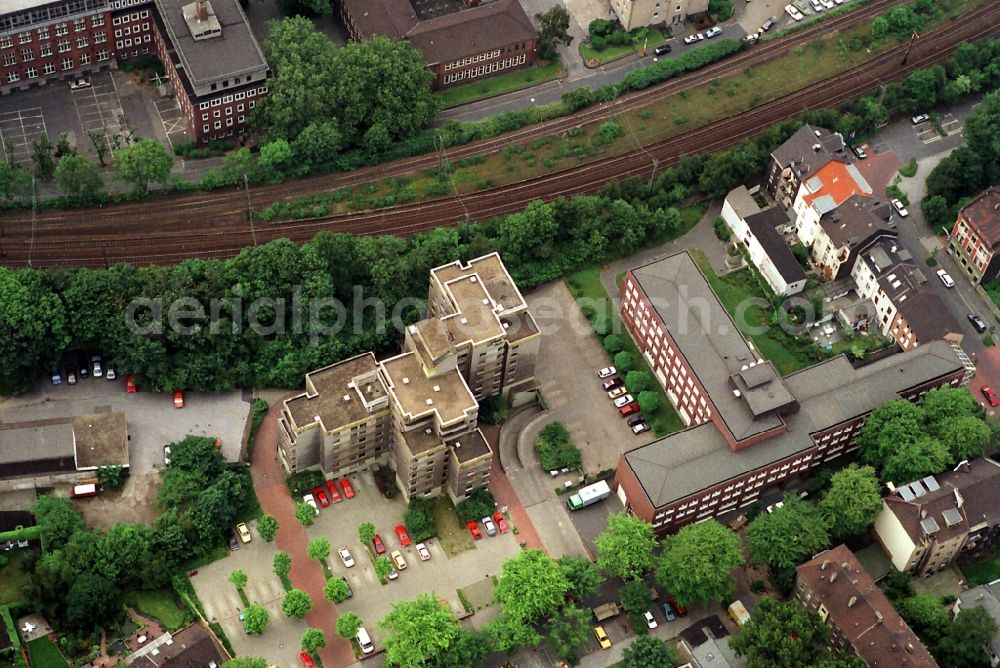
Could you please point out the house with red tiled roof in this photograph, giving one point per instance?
(975, 238)
(832, 185)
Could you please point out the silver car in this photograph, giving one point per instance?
(491, 528)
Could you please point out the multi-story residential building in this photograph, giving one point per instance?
(458, 47)
(854, 223)
(640, 13)
(833, 184)
(418, 411)
(985, 596)
(925, 524)
(748, 428)
(975, 238)
(862, 621)
(905, 309)
(801, 156)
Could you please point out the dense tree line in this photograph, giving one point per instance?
(79, 578)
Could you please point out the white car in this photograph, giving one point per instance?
(640, 427)
(714, 31)
(828, 4)
(79, 84)
(607, 372)
(345, 556)
(792, 11)
(423, 552)
(650, 622)
(692, 39)
(621, 401)
(920, 118)
(308, 498)
(816, 5)
(166, 455)
(900, 209)
(491, 528)
(95, 362)
(393, 574)
(945, 278)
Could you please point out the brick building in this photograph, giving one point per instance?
(975, 238)
(747, 427)
(862, 621)
(418, 411)
(459, 47)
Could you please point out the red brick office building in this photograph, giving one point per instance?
(748, 428)
(975, 237)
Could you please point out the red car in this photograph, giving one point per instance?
(130, 384)
(379, 545)
(178, 398)
(345, 485)
(334, 493)
(473, 529)
(628, 409)
(404, 540)
(991, 396)
(321, 497)
(680, 609)
(307, 660)
(501, 522)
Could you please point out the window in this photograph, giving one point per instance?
(218, 125)
(118, 33)
(102, 56)
(61, 29)
(85, 59)
(27, 55)
(205, 128)
(128, 42)
(116, 21)
(12, 77)
(48, 68)
(241, 119)
(43, 33)
(97, 21)
(203, 105)
(67, 63)
(204, 117)
(9, 59)
(227, 99)
(144, 14)
(6, 41)
(217, 113)
(229, 122)
(127, 31)
(79, 25)
(24, 37)
(239, 107)
(229, 111)
(241, 96)
(32, 73)
(145, 26)
(100, 38)
(64, 46)
(119, 44)
(146, 39)
(81, 42)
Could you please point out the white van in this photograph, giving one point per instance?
(365, 641)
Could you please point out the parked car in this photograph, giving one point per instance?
(769, 23)
(345, 485)
(178, 398)
(166, 455)
(345, 556)
(331, 486)
(680, 609)
(793, 11)
(130, 384)
(991, 396)
(473, 529)
(79, 84)
(244, 531)
(612, 383)
(977, 322)
(422, 550)
(774, 506)
(900, 209)
(622, 400)
(827, 4)
(350, 592)
(650, 622)
(694, 39)
(860, 152)
(617, 392)
(110, 371)
(71, 374)
(233, 543)
(920, 118)
(84, 369)
(752, 38)
(378, 544)
(308, 498)
(816, 6)
(636, 419)
(321, 496)
(662, 50)
(640, 427)
(307, 660)
(491, 529)
(393, 574)
(602, 638)
(714, 31)
(606, 372)
(628, 409)
(95, 363)
(56, 377)
(397, 558)
(501, 522)
(404, 540)
(668, 612)
(948, 281)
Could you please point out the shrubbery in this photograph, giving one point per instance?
(419, 520)
(479, 504)
(555, 449)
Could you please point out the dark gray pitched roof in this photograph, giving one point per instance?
(763, 226)
(800, 150)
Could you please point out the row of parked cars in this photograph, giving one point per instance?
(626, 404)
(324, 496)
(94, 366)
(492, 525)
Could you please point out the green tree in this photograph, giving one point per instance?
(296, 603)
(247, 662)
(649, 402)
(56, 520)
(916, 460)
(637, 381)
(383, 567)
(613, 344)
(144, 162)
(789, 535)
(318, 548)
(963, 642)
(782, 634)
(366, 532)
(636, 598)
(100, 141)
(626, 547)
(531, 585)
(891, 425)
(238, 579)
(419, 519)
(853, 501)
(937, 212)
(318, 143)
(35, 329)
(305, 513)
(282, 564)
(418, 630)
(91, 602)
(348, 625)
(623, 362)
(569, 630)
(267, 527)
(508, 634)
(335, 590)
(41, 155)
(78, 178)
(255, 619)
(553, 28)
(965, 437)
(313, 639)
(15, 181)
(879, 27)
(276, 156)
(945, 403)
(697, 561)
(583, 575)
(649, 652)
(925, 615)
(110, 477)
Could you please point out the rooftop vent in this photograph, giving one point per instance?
(437, 388)
(486, 302)
(464, 321)
(458, 444)
(850, 603)
(347, 397)
(736, 393)
(201, 20)
(817, 147)
(406, 381)
(473, 279)
(427, 431)
(316, 418)
(833, 576)
(430, 402)
(826, 562)
(413, 329)
(818, 133)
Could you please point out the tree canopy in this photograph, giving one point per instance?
(625, 548)
(418, 630)
(583, 575)
(649, 652)
(569, 630)
(697, 562)
(255, 619)
(296, 603)
(144, 162)
(853, 501)
(782, 634)
(531, 586)
(962, 644)
(790, 534)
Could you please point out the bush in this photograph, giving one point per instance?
(909, 169)
(624, 362)
(649, 402)
(601, 325)
(722, 9)
(721, 229)
(493, 409)
(480, 504)
(304, 482)
(419, 520)
(637, 381)
(555, 449)
(613, 343)
(598, 43)
(600, 28)
(619, 38)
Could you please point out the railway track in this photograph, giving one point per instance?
(122, 235)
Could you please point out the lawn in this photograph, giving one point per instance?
(587, 284)
(505, 83)
(982, 570)
(160, 604)
(45, 654)
(13, 578)
(615, 52)
(453, 536)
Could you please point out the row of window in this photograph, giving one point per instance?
(126, 31)
(236, 96)
(478, 58)
(126, 43)
(45, 50)
(50, 67)
(60, 29)
(489, 68)
(126, 18)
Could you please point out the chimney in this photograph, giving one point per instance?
(823, 566)
(833, 576)
(817, 147)
(201, 10)
(850, 603)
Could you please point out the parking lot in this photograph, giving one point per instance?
(99, 109)
(152, 419)
(19, 129)
(173, 121)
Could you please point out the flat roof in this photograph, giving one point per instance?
(520, 326)
(445, 395)
(101, 440)
(469, 446)
(324, 399)
(493, 275)
(420, 441)
(686, 462)
(36, 440)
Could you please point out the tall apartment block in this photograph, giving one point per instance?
(418, 411)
